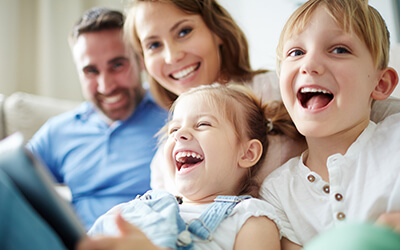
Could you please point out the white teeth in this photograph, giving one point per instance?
(112, 99)
(181, 155)
(184, 72)
(314, 90)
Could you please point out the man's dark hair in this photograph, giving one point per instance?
(97, 19)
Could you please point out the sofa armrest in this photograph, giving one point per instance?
(26, 113)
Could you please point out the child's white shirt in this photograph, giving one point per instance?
(363, 183)
(225, 235)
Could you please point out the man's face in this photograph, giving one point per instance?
(109, 73)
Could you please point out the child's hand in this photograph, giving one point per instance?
(391, 220)
(131, 238)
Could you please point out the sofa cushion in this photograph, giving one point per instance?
(28, 112)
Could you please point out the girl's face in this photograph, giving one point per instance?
(202, 151)
(180, 51)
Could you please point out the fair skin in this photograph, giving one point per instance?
(337, 65)
(109, 73)
(197, 128)
(324, 58)
(179, 50)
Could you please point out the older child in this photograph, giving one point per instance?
(333, 57)
(216, 141)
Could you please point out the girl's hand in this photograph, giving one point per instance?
(131, 238)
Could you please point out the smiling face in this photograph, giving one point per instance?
(202, 151)
(179, 50)
(108, 72)
(326, 78)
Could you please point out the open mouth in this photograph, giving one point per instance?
(314, 98)
(185, 72)
(187, 159)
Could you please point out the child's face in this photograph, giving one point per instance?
(179, 50)
(202, 151)
(326, 79)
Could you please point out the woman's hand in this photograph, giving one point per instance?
(131, 238)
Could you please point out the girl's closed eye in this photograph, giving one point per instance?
(204, 124)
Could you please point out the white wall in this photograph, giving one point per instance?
(35, 57)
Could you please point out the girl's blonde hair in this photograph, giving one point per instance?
(235, 62)
(251, 119)
(352, 16)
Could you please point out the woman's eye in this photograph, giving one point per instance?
(153, 46)
(184, 32)
(340, 50)
(295, 52)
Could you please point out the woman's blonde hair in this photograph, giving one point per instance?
(235, 62)
(250, 118)
(352, 16)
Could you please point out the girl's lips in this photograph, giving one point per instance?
(187, 159)
(185, 73)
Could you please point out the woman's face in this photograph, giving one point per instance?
(179, 50)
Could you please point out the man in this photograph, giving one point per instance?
(103, 149)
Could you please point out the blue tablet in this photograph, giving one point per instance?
(37, 185)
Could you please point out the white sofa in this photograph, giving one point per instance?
(26, 113)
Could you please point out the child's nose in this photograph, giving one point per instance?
(182, 135)
(312, 64)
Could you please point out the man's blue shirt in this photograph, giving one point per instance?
(102, 165)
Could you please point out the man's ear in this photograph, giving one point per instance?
(386, 84)
(252, 152)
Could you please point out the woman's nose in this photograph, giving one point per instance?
(173, 53)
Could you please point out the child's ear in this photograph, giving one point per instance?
(252, 152)
(386, 85)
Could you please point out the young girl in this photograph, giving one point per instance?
(333, 57)
(215, 144)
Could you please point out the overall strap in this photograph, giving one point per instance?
(215, 213)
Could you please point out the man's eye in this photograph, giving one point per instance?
(340, 50)
(117, 66)
(90, 71)
(296, 52)
(184, 32)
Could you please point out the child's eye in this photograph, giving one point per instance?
(295, 52)
(184, 32)
(340, 50)
(172, 130)
(203, 124)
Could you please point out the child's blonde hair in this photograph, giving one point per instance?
(235, 62)
(250, 118)
(352, 16)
